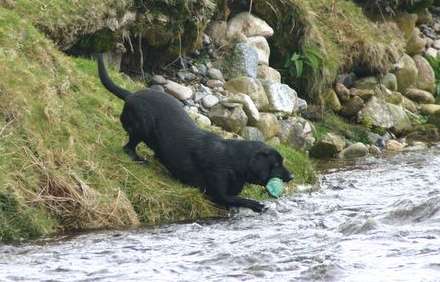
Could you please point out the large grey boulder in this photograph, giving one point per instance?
(416, 44)
(297, 132)
(343, 92)
(331, 100)
(251, 87)
(248, 106)
(409, 104)
(248, 25)
(210, 101)
(179, 91)
(262, 47)
(264, 72)
(159, 79)
(406, 22)
(420, 96)
(354, 151)
(328, 147)
(390, 81)
(301, 106)
(252, 134)
(199, 119)
(406, 73)
(242, 61)
(431, 52)
(364, 94)
(429, 109)
(232, 118)
(281, 97)
(352, 107)
(385, 115)
(215, 74)
(426, 76)
(268, 125)
(369, 82)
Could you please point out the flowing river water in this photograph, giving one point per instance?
(376, 220)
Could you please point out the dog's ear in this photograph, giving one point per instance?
(260, 166)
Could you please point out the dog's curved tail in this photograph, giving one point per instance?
(108, 83)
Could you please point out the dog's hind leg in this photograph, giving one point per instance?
(217, 189)
(130, 149)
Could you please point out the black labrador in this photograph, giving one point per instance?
(217, 166)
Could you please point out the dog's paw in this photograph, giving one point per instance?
(260, 208)
(143, 162)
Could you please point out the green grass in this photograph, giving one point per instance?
(64, 21)
(334, 123)
(62, 165)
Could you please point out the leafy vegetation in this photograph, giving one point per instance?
(310, 61)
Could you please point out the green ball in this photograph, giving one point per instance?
(275, 187)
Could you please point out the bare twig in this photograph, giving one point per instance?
(179, 58)
(141, 53)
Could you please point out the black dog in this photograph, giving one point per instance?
(217, 166)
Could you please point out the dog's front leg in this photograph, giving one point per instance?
(130, 149)
(217, 189)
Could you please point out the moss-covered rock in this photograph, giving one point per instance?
(251, 87)
(331, 100)
(406, 73)
(416, 44)
(327, 147)
(385, 115)
(426, 76)
(366, 83)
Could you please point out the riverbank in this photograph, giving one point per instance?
(62, 165)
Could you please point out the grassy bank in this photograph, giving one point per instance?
(62, 166)
(329, 37)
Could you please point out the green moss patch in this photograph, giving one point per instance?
(334, 123)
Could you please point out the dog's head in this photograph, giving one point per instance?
(265, 164)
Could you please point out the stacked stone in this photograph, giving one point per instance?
(429, 25)
(240, 92)
(254, 93)
(392, 100)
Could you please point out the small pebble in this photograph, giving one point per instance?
(159, 79)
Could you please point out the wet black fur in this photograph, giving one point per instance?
(217, 166)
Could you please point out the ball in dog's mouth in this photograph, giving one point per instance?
(275, 187)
